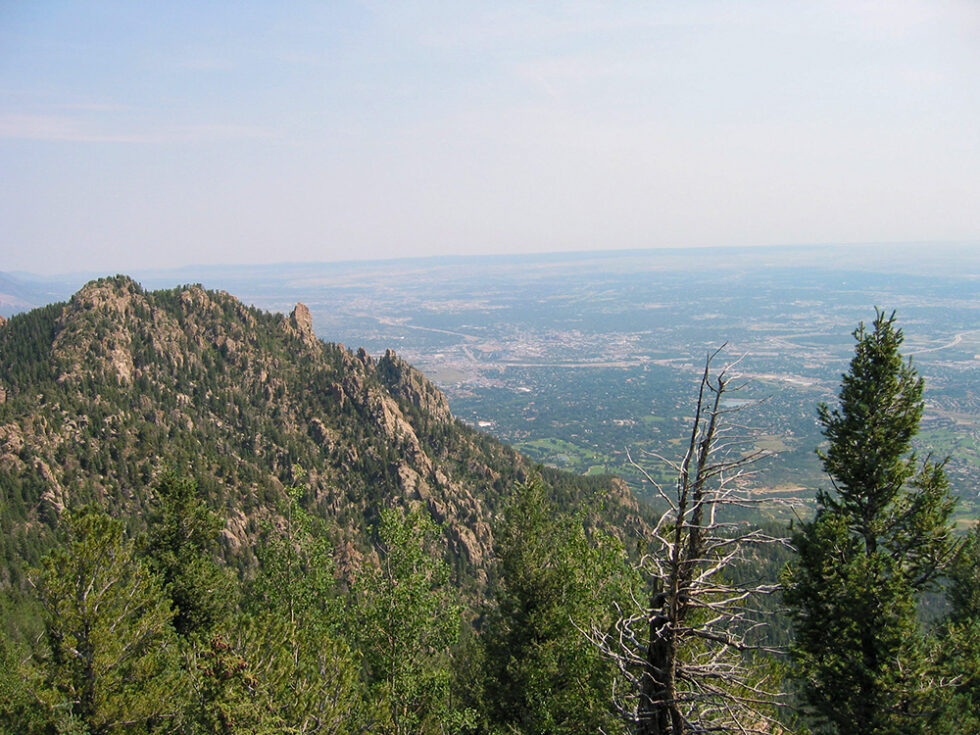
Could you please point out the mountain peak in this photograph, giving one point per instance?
(103, 394)
(114, 292)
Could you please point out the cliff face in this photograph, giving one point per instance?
(102, 394)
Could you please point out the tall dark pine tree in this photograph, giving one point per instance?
(556, 579)
(182, 533)
(878, 540)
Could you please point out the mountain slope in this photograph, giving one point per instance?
(101, 394)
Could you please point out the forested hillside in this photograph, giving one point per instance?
(103, 394)
(214, 522)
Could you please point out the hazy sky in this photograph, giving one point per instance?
(154, 134)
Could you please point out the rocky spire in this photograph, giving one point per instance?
(303, 321)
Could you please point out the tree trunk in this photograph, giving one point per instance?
(656, 690)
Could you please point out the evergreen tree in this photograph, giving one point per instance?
(959, 645)
(111, 659)
(964, 576)
(223, 695)
(226, 696)
(542, 676)
(293, 630)
(409, 618)
(878, 540)
(181, 536)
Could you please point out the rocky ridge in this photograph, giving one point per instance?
(101, 394)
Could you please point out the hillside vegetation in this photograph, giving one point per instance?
(104, 393)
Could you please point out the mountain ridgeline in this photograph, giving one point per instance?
(101, 395)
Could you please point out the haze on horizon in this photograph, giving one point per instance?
(136, 136)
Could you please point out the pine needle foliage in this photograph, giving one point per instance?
(879, 539)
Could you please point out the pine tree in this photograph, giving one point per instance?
(179, 545)
(555, 582)
(959, 645)
(182, 535)
(878, 540)
(111, 658)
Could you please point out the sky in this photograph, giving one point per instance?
(165, 134)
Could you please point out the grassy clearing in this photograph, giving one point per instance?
(965, 524)
(773, 444)
(651, 419)
(560, 453)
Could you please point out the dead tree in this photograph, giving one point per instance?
(682, 649)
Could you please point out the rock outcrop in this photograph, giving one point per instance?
(302, 320)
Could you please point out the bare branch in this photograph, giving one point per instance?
(681, 649)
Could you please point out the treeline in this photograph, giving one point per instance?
(151, 633)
